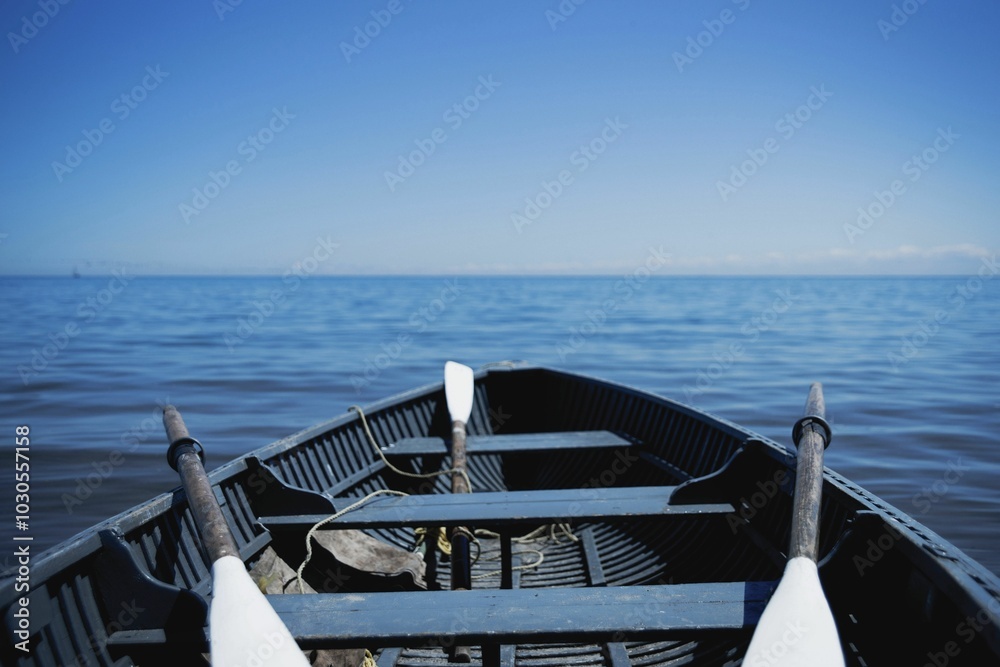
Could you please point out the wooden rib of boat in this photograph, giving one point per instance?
(661, 532)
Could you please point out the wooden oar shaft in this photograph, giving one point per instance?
(808, 486)
(174, 425)
(461, 565)
(212, 524)
(811, 435)
(797, 629)
(461, 562)
(815, 403)
(459, 389)
(459, 462)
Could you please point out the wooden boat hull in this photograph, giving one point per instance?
(679, 532)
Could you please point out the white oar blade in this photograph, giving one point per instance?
(797, 628)
(458, 390)
(243, 627)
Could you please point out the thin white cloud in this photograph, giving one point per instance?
(900, 260)
(910, 251)
(903, 259)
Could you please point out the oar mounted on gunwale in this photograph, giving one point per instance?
(243, 628)
(459, 390)
(797, 627)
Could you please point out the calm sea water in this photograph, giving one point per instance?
(909, 368)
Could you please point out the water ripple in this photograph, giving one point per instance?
(246, 371)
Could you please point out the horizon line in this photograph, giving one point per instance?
(490, 275)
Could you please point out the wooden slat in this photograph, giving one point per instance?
(617, 655)
(552, 615)
(389, 657)
(514, 442)
(505, 508)
(499, 656)
(595, 571)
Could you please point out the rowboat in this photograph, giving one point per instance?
(601, 525)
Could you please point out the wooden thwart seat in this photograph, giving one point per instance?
(504, 508)
(510, 443)
(526, 615)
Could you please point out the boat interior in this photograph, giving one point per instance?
(610, 528)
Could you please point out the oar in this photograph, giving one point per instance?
(243, 627)
(797, 628)
(458, 391)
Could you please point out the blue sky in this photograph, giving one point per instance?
(499, 137)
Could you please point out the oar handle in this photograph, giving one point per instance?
(185, 456)
(174, 424)
(811, 435)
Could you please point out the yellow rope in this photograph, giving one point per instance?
(378, 450)
(369, 660)
(526, 566)
(564, 529)
(443, 545)
(540, 534)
